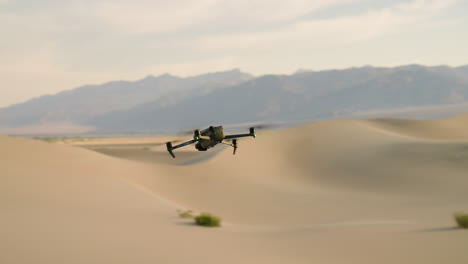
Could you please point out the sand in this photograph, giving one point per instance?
(353, 191)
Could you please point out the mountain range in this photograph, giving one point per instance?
(169, 103)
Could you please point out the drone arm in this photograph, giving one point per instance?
(250, 134)
(184, 144)
(238, 136)
(170, 148)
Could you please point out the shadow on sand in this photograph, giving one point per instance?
(437, 229)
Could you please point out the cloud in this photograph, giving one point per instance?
(144, 16)
(151, 16)
(335, 31)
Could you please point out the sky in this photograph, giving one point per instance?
(49, 46)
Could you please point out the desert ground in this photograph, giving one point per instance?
(345, 191)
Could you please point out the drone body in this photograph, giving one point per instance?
(209, 138)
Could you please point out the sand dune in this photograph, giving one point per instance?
(376, 191)
(452, 129)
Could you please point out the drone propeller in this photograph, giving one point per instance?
(185, 132)
(256, 126)
(266, 126)
(176, 141)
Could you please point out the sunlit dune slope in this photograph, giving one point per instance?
(335, 167)
(67, 205)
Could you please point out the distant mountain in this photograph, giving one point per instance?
(79, 105)
(168, 103)
(463, 70)
(304, 95)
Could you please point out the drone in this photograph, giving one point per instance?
(209, 138)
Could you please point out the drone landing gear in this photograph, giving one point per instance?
(234, 145)
(170, 148)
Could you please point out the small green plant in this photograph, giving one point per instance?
(461, 219)
(185, 214)
(205, 219)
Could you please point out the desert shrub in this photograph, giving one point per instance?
(205, 219)
(462, 220)
(185, 214)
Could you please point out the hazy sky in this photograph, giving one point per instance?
(52, 45)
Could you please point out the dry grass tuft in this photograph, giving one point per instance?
(185, 214)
